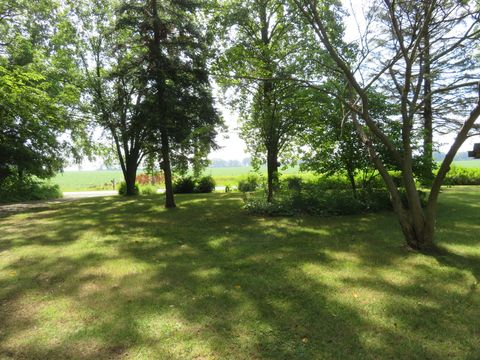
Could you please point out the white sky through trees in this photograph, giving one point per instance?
(232, 147)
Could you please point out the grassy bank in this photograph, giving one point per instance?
(124, 278)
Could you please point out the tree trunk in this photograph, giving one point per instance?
(351, 178)
(427, 114)
(130, 176)
(272, 173)
(417, 237)
(160, 83)
(167, 171)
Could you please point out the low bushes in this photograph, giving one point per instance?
(298, 196)
(184, 185)
(122, 188)
(320, 202)
(205, 184)
(249, 184)
(148, 189)
(14, 190)
(189, 185)
(463, 176)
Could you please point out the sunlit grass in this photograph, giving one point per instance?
(122, 278)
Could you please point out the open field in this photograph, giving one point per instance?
(112, 278)
(467, 163)
(100, 180)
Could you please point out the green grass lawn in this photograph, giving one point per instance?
(110, 278)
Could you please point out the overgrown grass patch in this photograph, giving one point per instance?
(125, 278)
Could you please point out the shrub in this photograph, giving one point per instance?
(315, 201)
(184, 185)
(146, 179)
(205, 184)
(15, 189)
(122, 188)
(249, 184)
(260, 206)
(463, 176)
(43, 191)
(148, 190)
(293, 183)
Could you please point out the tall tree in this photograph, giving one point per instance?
(398, 55)
(260, 55)
(115, 84)
(176, 48)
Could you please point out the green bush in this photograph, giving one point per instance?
(249, 184)
(205, 184)
(293, 183)
(260, 206)
(463, 176)
(321, 202)
(122, 188)
(14, 189)
(184, 185)
(148, 189)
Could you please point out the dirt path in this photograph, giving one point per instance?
(67, 196)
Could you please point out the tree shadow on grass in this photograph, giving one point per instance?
(129, 279)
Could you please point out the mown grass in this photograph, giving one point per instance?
(124, 278)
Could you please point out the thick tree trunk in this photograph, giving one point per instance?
(167, 171)
(272, 173)
(130, 176)
(417, 238)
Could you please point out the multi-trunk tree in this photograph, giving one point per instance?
(115, 86)
(396, 60)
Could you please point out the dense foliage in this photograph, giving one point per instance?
(324, 196)
(14, 189)
(39, 124)
(190, 185)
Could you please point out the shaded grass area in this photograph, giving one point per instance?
(124, 278)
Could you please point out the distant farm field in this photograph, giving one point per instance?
(467, 163)
(101, 179)
(87, 180)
